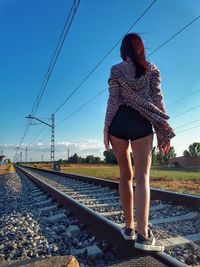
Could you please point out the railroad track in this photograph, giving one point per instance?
(174, 218)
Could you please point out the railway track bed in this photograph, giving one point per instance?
(176, 225)
(32, 225)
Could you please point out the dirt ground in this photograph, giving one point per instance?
(3, 169)
(178, 186)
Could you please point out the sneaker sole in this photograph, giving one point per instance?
(149, 247)
(127, 237)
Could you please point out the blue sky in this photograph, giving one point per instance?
(30, 30)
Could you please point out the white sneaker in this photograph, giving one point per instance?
(148, 244)
(128, 233)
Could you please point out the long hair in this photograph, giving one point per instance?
(133, 47)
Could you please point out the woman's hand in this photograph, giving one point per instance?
(165, 149)
(106, 138)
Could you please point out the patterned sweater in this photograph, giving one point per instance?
(143, 94)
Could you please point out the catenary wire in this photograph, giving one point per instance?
(193, 108)
(77, 110)
(158, 48)
(57, 52)
(148, 56)
(186, 124)
(177, 33)
(188, 129)
(184, 97)
(51, 67)
(107, 54)
(38, 134)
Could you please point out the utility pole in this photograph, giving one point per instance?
(20, 156)
(52, 125)
(68, 154)
(42, 158)
(26, 150)
(52, 138)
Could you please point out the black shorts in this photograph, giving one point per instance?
(129, 124)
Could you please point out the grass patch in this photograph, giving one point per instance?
(179, 180)
(105, 172)
(175, 174)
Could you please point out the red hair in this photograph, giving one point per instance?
(133, 47)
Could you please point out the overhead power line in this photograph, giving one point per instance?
(188, 129)
(89, 101)
(106, 55)
(193, 108)
(73, 113)
(186, 124)
(52, 64)
(177, 33)
(56, 52)
(23, 137)
(48, 132)
(38, 134)
(97, 65)
(148, 56)
(184, 97)
(158, 48)
(77, 110)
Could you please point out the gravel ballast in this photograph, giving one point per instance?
(26, 232)
(161, 230)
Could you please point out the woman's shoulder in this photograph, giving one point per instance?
(116, 69)
(125, 68)
(122, 67)
(118, 65)
(152, 66)
(124, 64)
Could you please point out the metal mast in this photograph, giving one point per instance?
(26, 149)
(52, 138)
(52, 125)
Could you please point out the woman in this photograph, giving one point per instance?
(134, 106)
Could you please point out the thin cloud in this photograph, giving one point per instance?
(42, 150)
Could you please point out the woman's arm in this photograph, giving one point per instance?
(163, 142)
(156, 91)
(113, 99)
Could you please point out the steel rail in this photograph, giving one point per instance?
(187, 200)
(99, 225)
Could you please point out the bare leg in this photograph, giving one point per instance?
(141, 149)
(120, 148)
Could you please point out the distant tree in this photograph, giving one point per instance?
(110, 156)
(159, 159)
(80, 159)
(74, 159)
(89, 159)
(97, 160)
(170, 154)
(61, 161)
(154, 156)
(83, 160)
(193, 150)
(186, 153)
